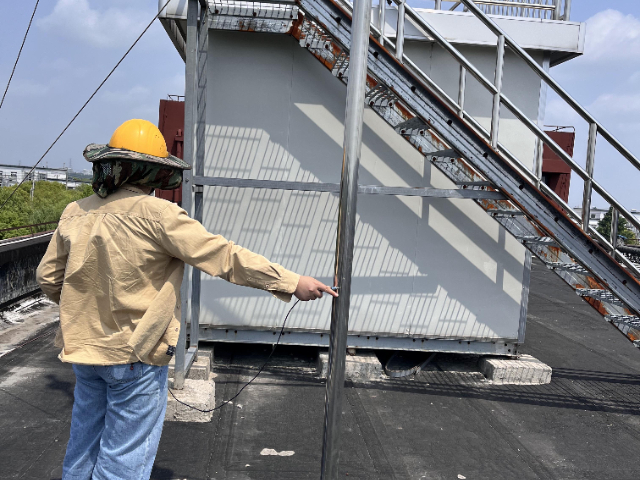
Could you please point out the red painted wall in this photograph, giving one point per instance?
(555, 172)
(171, 124)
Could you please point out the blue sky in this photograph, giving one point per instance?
(74, 43)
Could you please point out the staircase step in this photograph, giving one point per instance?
(569, 267)
(473, 184)
(629, 320)
(449, 153)
(412, 126)
(538, 240)
(500, 213)
(599, 294)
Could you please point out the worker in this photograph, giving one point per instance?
(115, 265)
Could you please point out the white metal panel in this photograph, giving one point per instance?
(427, 267)
(465, 28)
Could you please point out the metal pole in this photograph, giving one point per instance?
(586, 196)
(497, 81)
(556, 12)
(614, 230)
(462, 86)
(400, 31)
(198, 197)
(567, 11)
(189, 137)
(438, 4)
(354, 113)
(383, 21)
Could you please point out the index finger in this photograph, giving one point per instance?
(329, 290)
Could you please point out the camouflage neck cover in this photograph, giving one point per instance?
(109, 175)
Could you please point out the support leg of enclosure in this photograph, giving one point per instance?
(182, 362)
(346, 232)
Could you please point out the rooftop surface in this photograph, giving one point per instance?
(446, 423)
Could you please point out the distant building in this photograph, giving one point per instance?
(14, 174)
(596, 215)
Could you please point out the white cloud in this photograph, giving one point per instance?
(612, 36)
(75, 19)
(617, 104)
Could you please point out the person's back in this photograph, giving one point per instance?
(115, 265)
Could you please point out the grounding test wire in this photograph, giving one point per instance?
(273, 349)
(84, 105)
(226, 402)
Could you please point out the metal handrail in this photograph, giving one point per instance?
(405, 11)
(30, 227)
(519, 8)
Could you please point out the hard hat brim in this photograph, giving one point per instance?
(96, 153)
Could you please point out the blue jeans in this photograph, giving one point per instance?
(116, 422)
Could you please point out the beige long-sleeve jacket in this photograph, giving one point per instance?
(115, 266)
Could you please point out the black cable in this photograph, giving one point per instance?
(83, 106)
(19, 53)
(249, 382)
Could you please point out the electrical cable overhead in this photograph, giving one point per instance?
(19, 53)
(226, 402)
(84, 105)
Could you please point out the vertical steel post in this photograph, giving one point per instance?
(495, 113)
(614, 230)
(438, 4)
(354, 113)
(198, 200)
(566, 16)
(556, 12)
(400, 31)
(542, 106)
(586, 195)
(462, 87)
(382, 16)
(181, 365)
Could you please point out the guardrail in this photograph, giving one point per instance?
(544, 9)
(34, 229)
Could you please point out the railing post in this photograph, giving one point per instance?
(495, 113)
(181, 365)
(462, 86)
(400, 31)
(586, 196)
(354, 113)
(556, 12)
(566, 16)
(382, 17)
(615, 215)
(438, 5)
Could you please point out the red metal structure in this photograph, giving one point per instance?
(171, 124)
(555, 172)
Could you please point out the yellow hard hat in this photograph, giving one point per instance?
(139, 136)
(135, 140)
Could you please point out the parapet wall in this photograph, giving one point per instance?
(19, 259)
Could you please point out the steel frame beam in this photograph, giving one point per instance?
(335, 188)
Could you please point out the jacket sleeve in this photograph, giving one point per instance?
(50, 272)
(185, 238)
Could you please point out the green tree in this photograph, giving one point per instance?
(604, 226)
(49, 201)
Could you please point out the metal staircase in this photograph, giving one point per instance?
(468, 154)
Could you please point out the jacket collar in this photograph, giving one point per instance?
(132, 188)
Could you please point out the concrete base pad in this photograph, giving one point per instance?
(523, 370)
(359, 367)
(197, 393)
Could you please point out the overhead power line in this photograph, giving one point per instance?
(19, 53)
(84, 105)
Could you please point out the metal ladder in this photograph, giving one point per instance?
(469, 155)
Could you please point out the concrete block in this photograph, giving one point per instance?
(359, 367)
(197, 393)
(200, 369)
(523, 370)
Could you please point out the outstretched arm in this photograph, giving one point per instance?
(186, 239)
